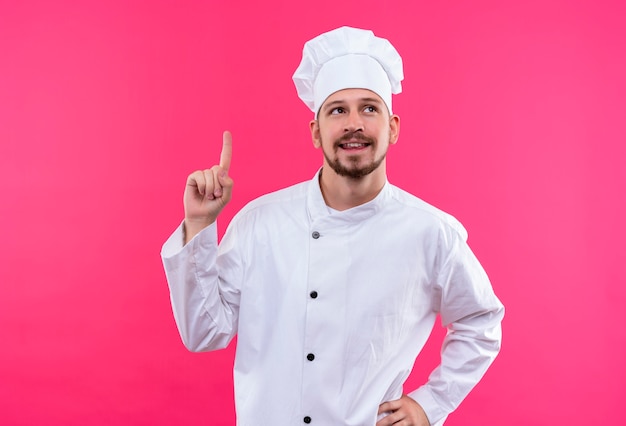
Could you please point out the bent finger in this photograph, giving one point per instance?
(393, 418)
(209, 185)
(389, 406)
(217, 186)
(196, 179)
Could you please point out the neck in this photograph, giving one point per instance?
(343, 193)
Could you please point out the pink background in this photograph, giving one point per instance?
(513, 121)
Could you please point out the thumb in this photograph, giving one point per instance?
(227, 184)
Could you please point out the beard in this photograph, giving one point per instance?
(355, 169)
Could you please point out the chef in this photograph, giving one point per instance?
(333, 285)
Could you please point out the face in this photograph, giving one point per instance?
(354, 131)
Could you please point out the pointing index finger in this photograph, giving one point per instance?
(227, 151)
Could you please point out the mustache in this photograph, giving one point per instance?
(355, 135)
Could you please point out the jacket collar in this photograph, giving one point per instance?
(318, 209)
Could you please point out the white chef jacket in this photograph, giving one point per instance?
(331, 309)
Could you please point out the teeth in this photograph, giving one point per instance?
(353, 145)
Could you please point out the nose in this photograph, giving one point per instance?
(354, 122)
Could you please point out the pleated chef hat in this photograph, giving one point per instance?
(347, 58)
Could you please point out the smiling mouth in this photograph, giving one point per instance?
(354, 141)
(354, 145)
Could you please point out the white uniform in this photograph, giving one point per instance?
(332, 308)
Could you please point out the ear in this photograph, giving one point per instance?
(315, 133)
(394, 129)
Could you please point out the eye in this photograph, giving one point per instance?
(338, 110)
(370, 108)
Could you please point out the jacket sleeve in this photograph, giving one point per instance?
(204, 301)
(472, 314)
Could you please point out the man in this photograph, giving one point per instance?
(333, 285)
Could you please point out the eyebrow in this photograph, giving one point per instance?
(333, 104)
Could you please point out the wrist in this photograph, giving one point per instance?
(191, 227)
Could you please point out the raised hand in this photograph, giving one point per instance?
(207, 192)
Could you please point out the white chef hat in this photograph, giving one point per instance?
(347, 58)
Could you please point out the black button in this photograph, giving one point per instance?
(307, 420)
(313, 295)
(310, 357)
(315, 235)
